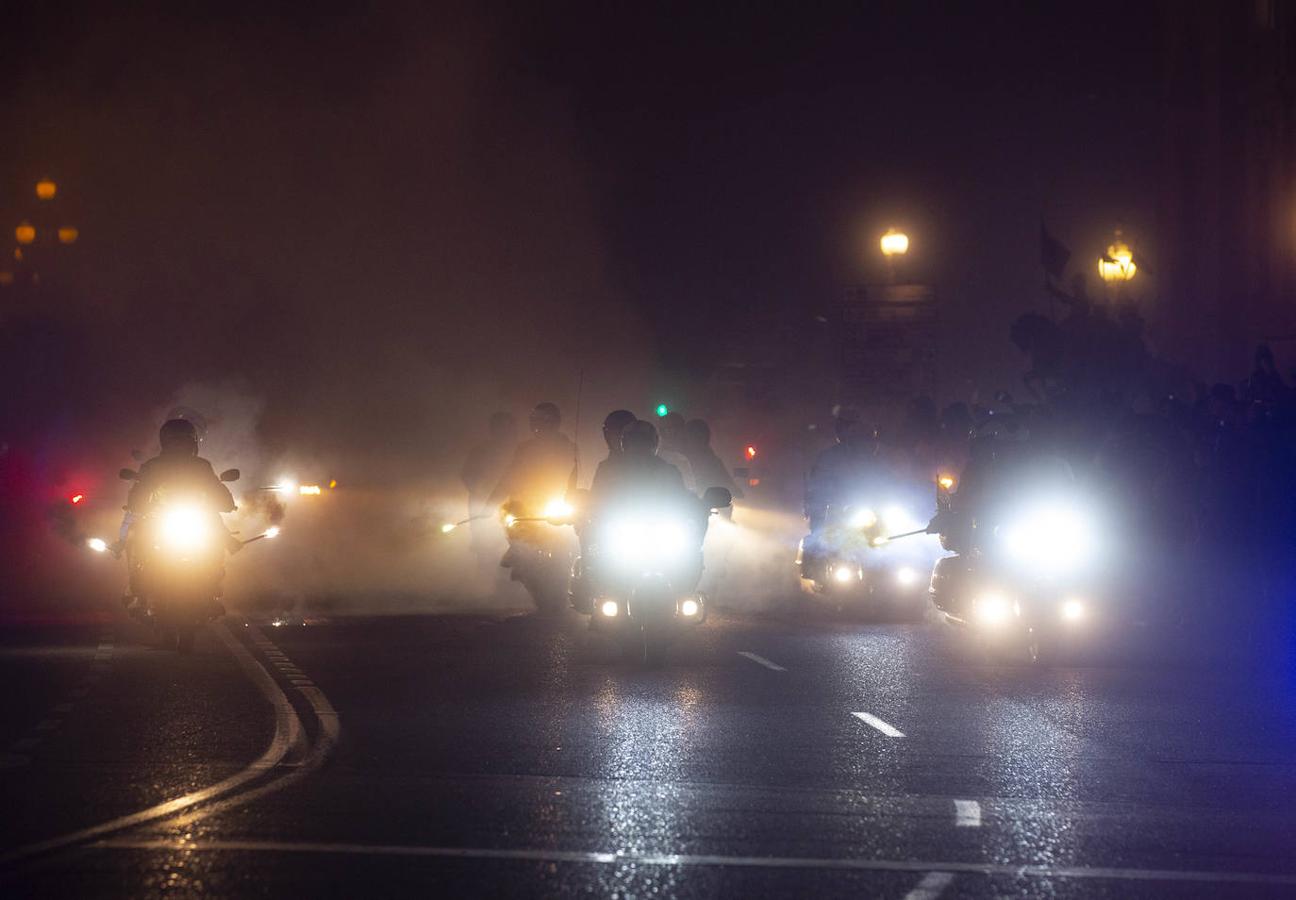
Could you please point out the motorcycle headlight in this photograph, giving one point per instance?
(1054, 540)
(558, 508)
(184, 527)
(992, 608)
(898, 520)
(862, 518)
(636, 541)
(1074, 610)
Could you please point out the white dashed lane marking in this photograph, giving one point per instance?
(761, 661)
(967, 814)
(933, 884)
(874, 721)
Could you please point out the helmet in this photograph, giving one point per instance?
(698, 432)
(614, 424)
(639, 438)
(178, 436)
(850, 428)
(545, 417)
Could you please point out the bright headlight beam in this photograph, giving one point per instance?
(991, 609)
(862, 518)
(558, 508)
(1073, 610)
(609, 608)
(906, 576)
(843, 574)
(1052, 539)
(184, 527)
(689, 608)
(98, 545)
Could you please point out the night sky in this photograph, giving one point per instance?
(401, 198)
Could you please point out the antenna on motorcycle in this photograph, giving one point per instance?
(575, 472)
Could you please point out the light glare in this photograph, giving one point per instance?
(98, 545)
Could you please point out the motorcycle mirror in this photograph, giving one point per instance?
(230, 475)
(717, 498)
(128, 475)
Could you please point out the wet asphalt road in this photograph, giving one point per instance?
(514, 756)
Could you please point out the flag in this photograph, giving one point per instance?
(1053, 253)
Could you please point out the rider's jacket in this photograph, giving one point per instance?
(182, 473)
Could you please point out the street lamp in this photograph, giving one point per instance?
(894, 243)
(1117, 266)
(46, 189)
(25, 233)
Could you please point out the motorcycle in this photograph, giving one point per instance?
(851, 562)
(643, 568)
(1023, 585)
(177, 552)
(539, 554)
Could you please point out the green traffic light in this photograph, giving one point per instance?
(662, 409)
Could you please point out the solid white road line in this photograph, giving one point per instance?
(670, 859)
(761, 661)
(967, 814)
(288, 730)
(888, 730)
(933, 884)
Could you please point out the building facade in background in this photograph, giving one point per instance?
(1226, 261)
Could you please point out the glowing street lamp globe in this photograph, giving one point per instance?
(46, 189)
(25, 233)
(1118, 265)
(894, 243)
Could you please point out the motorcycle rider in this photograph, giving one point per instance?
(613, 426)
(638, 477)
(178, 467)
(541, 469)
(671, 447)
(541, 465)
(852, 463)
(850, 467)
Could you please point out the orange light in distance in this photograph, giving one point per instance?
(332, 483)
(25, 233)
(750, 452)
(46, 189)
(753, 482)
(946, 481)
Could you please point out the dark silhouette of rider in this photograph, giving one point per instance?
(176, 469)
(541, 465)
(842, 471)
(637, 474)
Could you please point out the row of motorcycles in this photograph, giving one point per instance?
(636, 575)
(1017, 580)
